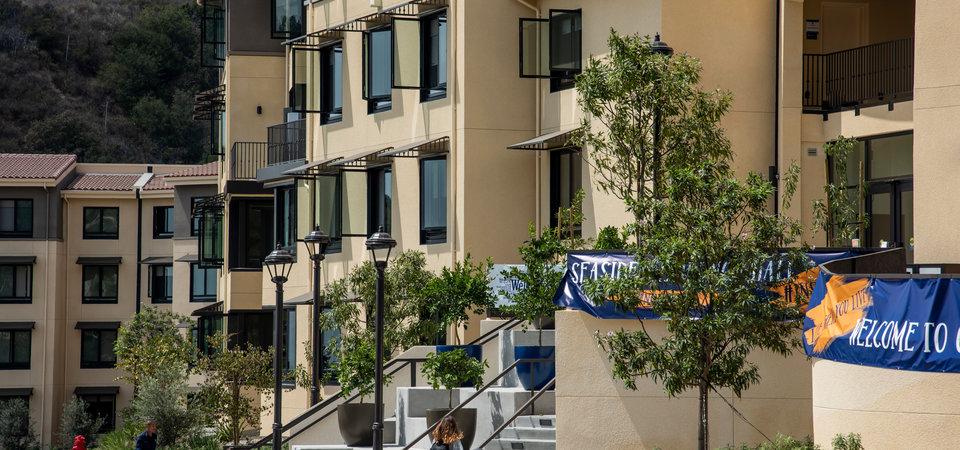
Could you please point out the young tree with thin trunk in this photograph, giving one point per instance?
(701, 234)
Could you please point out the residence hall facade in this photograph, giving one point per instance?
(82, 248)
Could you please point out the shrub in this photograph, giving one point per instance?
(456, 293)
(453, 369)
(16, 430)
(121, 438)
(163, 398)
(76, 420)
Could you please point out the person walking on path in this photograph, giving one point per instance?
(148, 439)
(446, 436)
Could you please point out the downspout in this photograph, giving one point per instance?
(538, 203)
(137, 187)
(775, 173)
(454, 140)
(46, 310)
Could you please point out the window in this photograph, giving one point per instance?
(203, 283)
(101, 223)
(329, 209)
(318, 81)
(377, 69)
(15, 349)
(207, 328)
(210, 240)
(380, 190)
(565, 181)
(213, 35)
(250, 328)
(551, 48)
(434, 47)
(286, 226)
(287, 19)
(16, 283)
(16, 218)
(102, 405)
(100, 283)
(289, 336)
(252, 223)
(194, 216)
(433, 200)
(161, 283)
(162, 222)
(96, 349)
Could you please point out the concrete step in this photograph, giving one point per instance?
(536, 421)
(523, 433)
(521, 444)
(390, 430)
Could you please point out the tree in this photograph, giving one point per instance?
(163, 397)
(701, 237)
(459, 291)
(151, 342)
(841, 217)
(231, 374)
(75, 420)
(16, 430)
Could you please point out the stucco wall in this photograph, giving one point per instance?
(596, 411)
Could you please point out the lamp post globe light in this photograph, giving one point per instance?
(316, 242)
(279, 263)
(380, 245)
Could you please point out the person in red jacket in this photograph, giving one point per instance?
(79, 443)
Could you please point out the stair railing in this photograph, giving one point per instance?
(550, 384)
(403, 361)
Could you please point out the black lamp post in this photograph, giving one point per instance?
(660, 48)
(316, 242)
(279, 263)
(380, 244)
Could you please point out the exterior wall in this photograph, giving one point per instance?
(248, 28)
(887, 20)
(596, 411)
(46, 208)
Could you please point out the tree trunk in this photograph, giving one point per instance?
(704, 436)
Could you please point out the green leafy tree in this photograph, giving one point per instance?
(163, 397)
(453, 369)
(458, 292)
(356, 364)
(151, 342)
(76, 420)
(16, 430)
(841, 216)
(701, 234)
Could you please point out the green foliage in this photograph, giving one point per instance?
(121, 438)
(75, 419)
(230, 374)
(539, 277)
(847, 442)
(453, 369)
(698, 229)
(163, 397)
(150, 342)
(841, 217)
(782, 442)
(458, 292)
(357, 363)
(16, 430)
(610, 238)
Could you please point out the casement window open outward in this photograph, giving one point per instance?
(551, 48)
(318, 81)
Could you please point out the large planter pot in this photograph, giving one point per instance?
(473, 351)
(535, 375)
(466, 421)
(356, 423)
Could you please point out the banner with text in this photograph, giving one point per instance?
(908, 324)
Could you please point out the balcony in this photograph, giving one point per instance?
(872, 75)
(287, 142)
(246, 158)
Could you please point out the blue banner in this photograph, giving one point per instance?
(908, 324)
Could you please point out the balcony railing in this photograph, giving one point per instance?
(871, 75)
(286, 142)
(246, 158)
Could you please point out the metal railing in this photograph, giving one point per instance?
(396, 364)
(246, 158)
(286, 142)
(871, 75)
(550, 384)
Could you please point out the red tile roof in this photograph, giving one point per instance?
(157, 183)
(103, 182)
(211, 169)
(34, 166)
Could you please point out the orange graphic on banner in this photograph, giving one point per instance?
(838, 314)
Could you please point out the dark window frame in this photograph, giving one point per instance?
(378, 205)
(329, 112)
(17, 232)
(241, 255)
(428, 90)
(560, 79)
(100, 234)
(101, 299)
(433, 235)
(157, 291)
(194, 218)
(382, 103)
(207, 327)
(14, 299)
(275, 33)
(163, 216)
(15, 336)
(555, 194)
(214, 239)
(97, 361)
(336, 235)
(95, 402)
(285, 217)
(207, 297)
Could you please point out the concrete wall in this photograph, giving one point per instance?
(596, 411)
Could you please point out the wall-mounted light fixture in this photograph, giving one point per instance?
(259, 110)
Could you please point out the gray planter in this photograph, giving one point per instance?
(356, 423)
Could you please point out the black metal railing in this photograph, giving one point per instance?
(871, 75)
(319, 412)
(246, 158)
(286, 142)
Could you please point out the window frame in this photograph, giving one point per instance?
(328, 112)
(376, 204)
(13, 364)
(98, 362)
(286, 34)
(110, 422)
(99, 300)
(14, 299)
(161, 297)
(555, 194)
(208, 297)
(433, 235)
(336, 235)
(240, 254)
(100, 234)
(215, 216)
(564, 79)
(194, 218)
(284, 221)
(162, 215)
(376, 104)
(429, 92)
(16, 233)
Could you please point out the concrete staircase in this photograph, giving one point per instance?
(528, 433)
